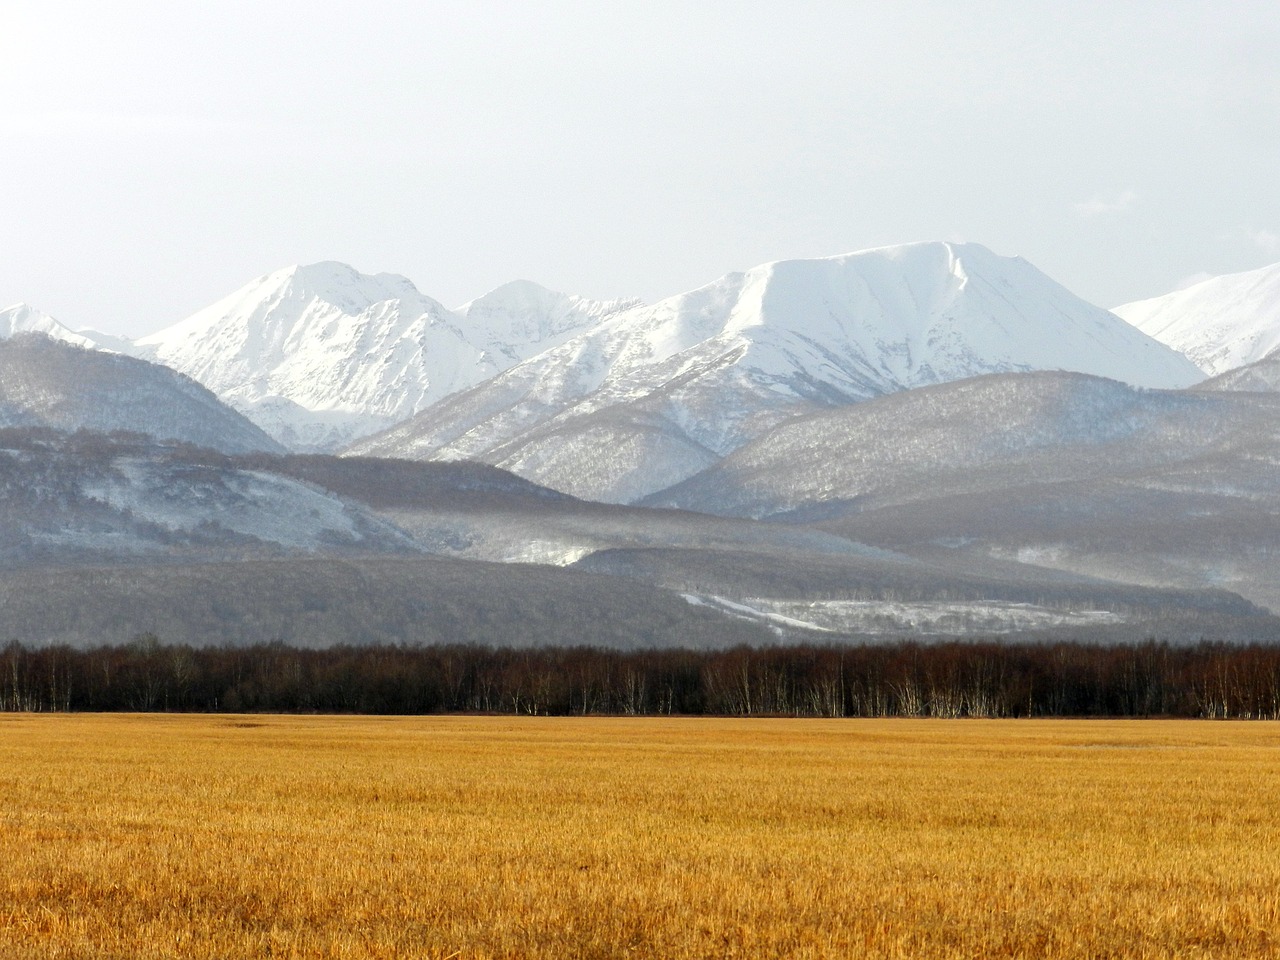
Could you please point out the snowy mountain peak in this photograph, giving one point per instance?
(283, 298)
(24, 318)
(515, 294)
(522, 312)
(17, 312)
(895, 317)
(320, 354)
(1221, 323)
(525, 296)
(342, 285)
(912, 280)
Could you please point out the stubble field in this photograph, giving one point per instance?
(230, 837)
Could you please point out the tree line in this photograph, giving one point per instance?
(903, 679)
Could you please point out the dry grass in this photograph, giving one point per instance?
(458, 837)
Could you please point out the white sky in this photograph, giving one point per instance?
(156, 156)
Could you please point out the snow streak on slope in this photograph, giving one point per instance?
(318, 355)
(896, 619)
(1222, 323)
(656, 393)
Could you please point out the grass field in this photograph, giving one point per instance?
(229, 837)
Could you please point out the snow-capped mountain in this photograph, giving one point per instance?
(47, 383)
(656, 393)
(24, 318)
(1221, 323)
(319, 355)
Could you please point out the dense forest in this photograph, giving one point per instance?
(954, 679)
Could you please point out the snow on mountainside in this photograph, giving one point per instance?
(80, 498)
(656, 393)
(1222, 323)
(319, 355)
(23, 318)
(519, 314)
(46, 383)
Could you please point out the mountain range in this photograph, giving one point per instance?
(104, 537)
(319, 355)
(654, 394)
(322, 356)
(926, 439)
(1062, 471)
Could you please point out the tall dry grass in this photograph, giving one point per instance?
(133, 836)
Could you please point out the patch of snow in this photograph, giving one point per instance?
(882, 617)
(266, 507)
(549, 552)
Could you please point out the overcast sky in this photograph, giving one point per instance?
(156, 156)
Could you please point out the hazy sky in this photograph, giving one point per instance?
(156, 156)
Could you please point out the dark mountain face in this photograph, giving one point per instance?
(1173, 488)
(46, 383)
(1261, 376)
(324, 601)
(95, 498)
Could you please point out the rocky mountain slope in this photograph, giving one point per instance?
(654, 394)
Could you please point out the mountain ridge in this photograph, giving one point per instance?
(1058, 470)
(320, 354)
(67, 387)
(670, 387)
(19, 318)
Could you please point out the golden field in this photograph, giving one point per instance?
(229, 837)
